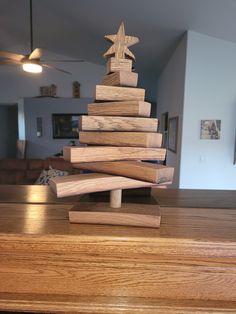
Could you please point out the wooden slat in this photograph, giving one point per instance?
(92, 182)
(121, 78)
(114, 65)
(99, 153)
(132, 169)
(103, 123)
(116, 93)
(139, 215)
(129, 108)
(131, 139)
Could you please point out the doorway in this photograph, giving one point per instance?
(8, 130)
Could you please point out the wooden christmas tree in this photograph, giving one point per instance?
(120, 137)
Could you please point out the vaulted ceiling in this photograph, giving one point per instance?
(76, 27)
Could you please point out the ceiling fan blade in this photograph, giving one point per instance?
(36, 54)
(54, 68)
(76, 60)
(9, 61)
(10, 55)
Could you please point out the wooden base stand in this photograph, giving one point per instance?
(140, 215)
(125, 214)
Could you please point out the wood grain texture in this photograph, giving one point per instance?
(132, 169)
(129, 108)
(184, 230)
(121, 78)
(92, 182)
(43, 258)
(130, 139)
(49, 265)
(139, 215)
(110, 305)
(70, 273)
(114, 65)
(116, 93)
(98, 153)
(184, 259)
(127, 124)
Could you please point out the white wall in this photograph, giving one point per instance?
(170, 98)
(210, 93)
(199, 83)
(15, 83)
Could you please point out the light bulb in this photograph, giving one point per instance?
(32, 67)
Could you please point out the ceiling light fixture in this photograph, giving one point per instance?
(32, 67)
(31, 62)
(29, 66)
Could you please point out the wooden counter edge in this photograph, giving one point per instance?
(111, 305)
(155, 245)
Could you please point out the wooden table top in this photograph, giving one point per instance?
(47, 263)
(37, 194)
(178, 223)
(195, 198)
(33, 194)
(35, 210)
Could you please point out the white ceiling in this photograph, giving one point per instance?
(76, 27)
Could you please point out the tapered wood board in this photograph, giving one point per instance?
(92, 182)
(139, 215)
(132, 169)
(130, 139)
(117, 93)
(130, 108)
(114, 65)
(121, 78)
(126, 124)
(103, 153)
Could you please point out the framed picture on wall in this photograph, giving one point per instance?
(173, 124)
(210, 129)
(65, 125)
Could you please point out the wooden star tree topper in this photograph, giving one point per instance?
(121, 42)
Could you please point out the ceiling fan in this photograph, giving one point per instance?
(31, 62)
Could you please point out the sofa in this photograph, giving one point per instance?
(27, 171)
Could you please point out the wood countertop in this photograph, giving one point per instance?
(178, 223)
(36, 210)
(49, 265)
(32, 194)
(195, 198)
(166, 197)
